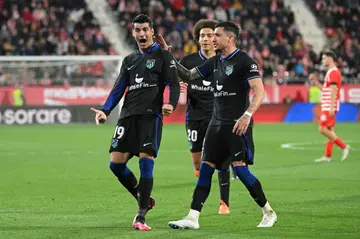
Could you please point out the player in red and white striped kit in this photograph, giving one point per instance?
(330, 105)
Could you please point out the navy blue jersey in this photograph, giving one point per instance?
(145, 76)
(230, 76)
(200, 92)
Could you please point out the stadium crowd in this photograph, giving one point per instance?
(49, 27)
(340, 21)
(268, 31)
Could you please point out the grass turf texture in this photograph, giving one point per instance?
(55, 183)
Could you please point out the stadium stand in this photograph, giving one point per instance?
(268, 31)
(49, 28)
(340, 21)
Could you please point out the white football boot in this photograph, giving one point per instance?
(323, 159)
(185, 223)
(268, 219)
(345, 152)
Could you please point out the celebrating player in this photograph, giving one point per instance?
(228, 138)
(200, 99)
(330, 105)
(138, 132)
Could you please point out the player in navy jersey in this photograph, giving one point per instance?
(145, 73)
(228, 138)
(200, 99)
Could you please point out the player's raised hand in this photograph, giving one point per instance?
(100, 116)
(241, 125)
(183, 87)
(167, 109)
(161, 41)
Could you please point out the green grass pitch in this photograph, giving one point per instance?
(55, 183)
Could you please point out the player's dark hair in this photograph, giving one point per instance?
(142, 18)
(230, 26)
(331, 53)
(203, 23)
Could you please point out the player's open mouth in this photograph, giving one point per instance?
(142, 41)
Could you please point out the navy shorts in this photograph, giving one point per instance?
(137, 133)
(222, 146)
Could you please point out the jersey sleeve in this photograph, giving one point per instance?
(251, 69)
(118, 89)
(171, 78)
(184, 62)
(205, 69)
(335, 77)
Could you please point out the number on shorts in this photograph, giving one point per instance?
(192, 135)
(119, 132)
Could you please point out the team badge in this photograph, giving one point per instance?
(150, 63)
(229, 70)
(114, 143)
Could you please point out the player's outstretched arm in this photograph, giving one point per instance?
(171, 78)
(184, 73)
(100, 116)
(118, 90)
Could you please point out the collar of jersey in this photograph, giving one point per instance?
(202, 56)
(153, 47)
(230, 56)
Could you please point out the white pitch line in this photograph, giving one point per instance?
(305, 145)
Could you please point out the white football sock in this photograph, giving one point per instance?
(194, 214)
(267, 208)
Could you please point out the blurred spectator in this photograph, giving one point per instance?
(268, 34)
(42, 27)
(340, 20)
(45, 80)
(18, 95)
(268, 30)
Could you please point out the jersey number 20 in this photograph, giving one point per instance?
(192, 135)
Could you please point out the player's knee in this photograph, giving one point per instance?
(196, 157)
(206, 172)
(209, 163)
(146, 167)
(119, 169)
(118, 157)
(147, 154)
(238, 163)
(322, 129)
(243, 172)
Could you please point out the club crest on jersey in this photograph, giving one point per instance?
(150, 63)
(114, 143)
(229, 70)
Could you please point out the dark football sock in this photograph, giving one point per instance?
(145, 184)
(252, 184)
(224, 185)
(125, 177)
(202, 188)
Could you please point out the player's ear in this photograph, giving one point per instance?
(133, 33)
(196, 41)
